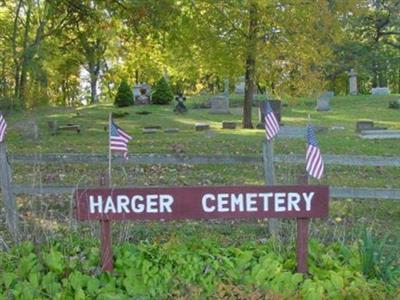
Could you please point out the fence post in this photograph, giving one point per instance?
(269, 173)
(302, 234)
(106, 246)
(8, 195)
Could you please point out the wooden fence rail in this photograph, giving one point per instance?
(349, 160)
(335, 192)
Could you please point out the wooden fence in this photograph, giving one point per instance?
(336, 192)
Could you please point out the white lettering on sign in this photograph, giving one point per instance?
(205, 204)
(218, 202)
(237, 200)
(308, 198)
(96, 205)
(265, 197)
(253, 202)
(280, 202)
(293, 201)
(153, 203)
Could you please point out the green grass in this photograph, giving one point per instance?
(93, 139)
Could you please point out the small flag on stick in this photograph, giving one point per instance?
(271, 123)
(119, 139)
(3, 127)
(314, 163)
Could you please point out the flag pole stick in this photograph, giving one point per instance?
(109, 150)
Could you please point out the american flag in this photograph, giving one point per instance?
(314, 163)
(271, 123)
(119, 139)
(3, 127)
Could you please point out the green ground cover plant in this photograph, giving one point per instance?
(184, 267)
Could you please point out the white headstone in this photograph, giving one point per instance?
(353, 90)
(240, 85)
(380, 91)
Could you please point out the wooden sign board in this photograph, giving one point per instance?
(177, 203)
(202, 202)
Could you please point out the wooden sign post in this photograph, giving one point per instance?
(222, 202)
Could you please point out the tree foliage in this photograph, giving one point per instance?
(288, 47)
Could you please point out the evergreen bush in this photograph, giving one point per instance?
(162, 92)
(124, 95)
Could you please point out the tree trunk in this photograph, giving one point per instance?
(25, 58)
(15, 53)
(94, 69)
(250, 66)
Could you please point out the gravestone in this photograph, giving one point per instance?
(323, 101)
(380, 91)
(228, 125)
(171, 130)
(380, 134)
(353, 90)
(219, 105)
(364, 125)
(226, 88)
(142, 93)
(27, 129)
(202, 127)
(240, 85)
(150, 130)
(276, 106)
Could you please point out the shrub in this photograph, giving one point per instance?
(124, 95)
(162, 92)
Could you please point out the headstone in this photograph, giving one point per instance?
(240, 85)
(142, 93)
(228, 125)
(276, 106)
(380, 134)
(353, 90)
(226, 88)
(364, 125)
(152, 127)
(323, 101)
(202, 126)
(150, 130)
(171, 130)
(27, 129)
(219, 105)
(380, 91)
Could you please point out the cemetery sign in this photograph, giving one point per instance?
(202, 202)
(217, 202)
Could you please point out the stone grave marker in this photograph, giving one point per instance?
(171, 130)
(240, 85)
(228, 125)
(202, 126)
(353, 89)
(380, 91)
(219, 105)
(27, 129)
(380, 134)
(364, 125)
(276, 106)
(150, 130)
(142, 93)
(323, 101)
